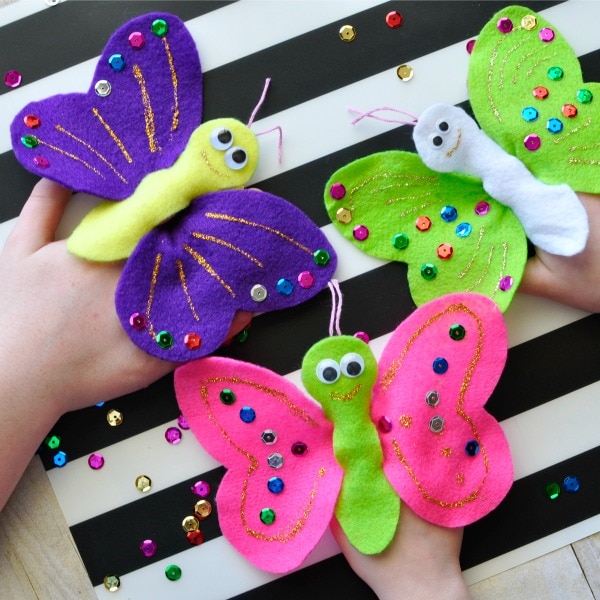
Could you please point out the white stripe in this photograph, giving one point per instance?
(21, 9)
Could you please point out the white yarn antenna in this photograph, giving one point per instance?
(336, 307)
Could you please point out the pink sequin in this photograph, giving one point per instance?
(173, 435)
(96, 461)
(337, 191)
(506, 283)
(183, 424)
(546, 34)
(41, 161)
(360, 233)
(470, 46)
(505, 25)
(306, 279)
(13, 79)
(201, 488)
(363, 335)
(482, 208)
(384, 424)
(532, 142)
(148, 548)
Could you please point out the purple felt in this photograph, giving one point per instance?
(262, 240)
(141, 126)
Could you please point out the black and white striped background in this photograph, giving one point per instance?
(546, 399)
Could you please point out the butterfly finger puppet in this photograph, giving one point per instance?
(412, 428)
(198, 246)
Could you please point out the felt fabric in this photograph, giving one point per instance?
(448, 140)
(111, 231)
(311, 480)
(368, 508)
(453, 236)
(105, 145)
(230, 250)
(509, 62)
(447, 458)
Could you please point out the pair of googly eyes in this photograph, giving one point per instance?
(236, 157)
(435, 139)
(352, 365)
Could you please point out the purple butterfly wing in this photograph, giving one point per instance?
(231, 250)
(144, 101)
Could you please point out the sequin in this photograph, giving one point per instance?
(138, 321)
(275, 485)
(103, 88)
(173, 572)
(529, 22)
(337, 191)
(463, 230)
(173, 435)
(52, 441)
(347, 33)
(546, 34)
(457, 332)
(116, 62)
(529, 114)
(405, 72)
(552, 490)
(555, 73)
(569, 111)
(436, 425)
(440, 365)
(183, 424)
(429, 271)
(275, 460)
(384, 424)
(143, 483)
(96, 461)
(394, 19)
(195, 537)
(504, 25)
(482, 208)
(540, 92)
(201, 488)
(284, 287)
(472, 448)
(29, 141)
(363, 335)
(243, 335)
(445, 251)
(449, 214)
(571, 484)
(360, 233)
(299, 448)
(60, 458)
(343, 215)
(306, 280)
(321, 257)
(31, 121)
(202, 509)
(584, 96)
(160, 27)
(268, 436)
(506, 283)
(41, 161)
(247, 414)
(114, 417)
(13, 79)
(112, 583)
(190, 523)
(258, 293)
(164, 339)
(423, 223)
(532, 142)
(227, 396)
(137, 40)
(400, 241)
(470, 46)
(192, 341)
(267, 516)
(432, 398)
(148, 548)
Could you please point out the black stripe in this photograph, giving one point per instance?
(109, 543)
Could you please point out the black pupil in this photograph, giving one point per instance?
(224, 136)
(437, 141)
(354, 368)
(443, 126)
(239, 156)
(329, 374)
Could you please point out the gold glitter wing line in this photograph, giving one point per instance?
(490, 78)
(411, 179)
(71, 156)
(464, 272)
(502, 270)
(485, 270)
(151, 293)
(174, 83)
(148, 112)
(221, 242)
(184, 287)
(558, 140)
(113, 135)
(232, 219)
(208, 268)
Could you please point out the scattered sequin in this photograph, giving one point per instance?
(321, 257)
(423, 223)
(504, 25)
(571, 484)
(41, 161)
(138, 321)
(506, 283)
(432, 398)
(472, 448)
(457, 332)
(182, 422)
(532, 142)
(268, 436)
(284, 287)
(103, 88)
(190, 523)
(112, 583)
(343, 215)
(360, 233)
(164, 339)
(195, 537)
(470, 46)
(116, 62)
(247, 414)
(449, 214)
(275, 485)
(52, 441)
(546, 34)
(306, 280)
(429, 271)
(275, 460)
(384, 424)
(400, 241)
(529, 22)
(337, 191)
(143, 483)
(552, 490)
(529, 114)
(96, 461)
(201, 488)
(569, 111)
(192, 341)
(173, 572)
(267, 516)
(13, 79)
(363, 335)
(137, 40)
(173, 435)
(394, 19)
(445, 251)
(555, 73)
(114, 417)
(148, 548)
(440, 365)
(160, 27)
(299, 448)
(584, 96)
(258, 293)
(347, 33)
(29, 141)
(405, 72)
(60, 458)
(202, 509)
(463, 230)
(227, 396)
(436, 425)
(482, 208)
(540, 92)
(31, 121)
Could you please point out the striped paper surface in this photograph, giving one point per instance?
(547, 398)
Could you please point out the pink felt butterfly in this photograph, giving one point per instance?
(418, 418)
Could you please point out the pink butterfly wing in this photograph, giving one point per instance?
(274, 530)
(447, 457)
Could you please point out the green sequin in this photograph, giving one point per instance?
(29, 141)
(160, 27)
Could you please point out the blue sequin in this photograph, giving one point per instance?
(529, 114)
(554, 125)
(285, 287)
(275, 485)
(440, 365)
(247, 414)
(463, 230)
(571, 483)
(472, 448)
(449, 214)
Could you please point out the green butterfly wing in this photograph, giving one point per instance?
(525, 83)
(453, 236)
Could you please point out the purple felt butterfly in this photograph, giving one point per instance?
(199, 247)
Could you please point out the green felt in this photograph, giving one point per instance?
(368, 508)
(388, 191)
(503, 71)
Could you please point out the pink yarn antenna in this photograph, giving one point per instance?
(371, 114)
(336, 307)
(260, 101)
(279, 143)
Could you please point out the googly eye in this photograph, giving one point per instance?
(221, 138)
(236, 158)
(352, 364)
(435, 140)
(328, 371)
(442, 126)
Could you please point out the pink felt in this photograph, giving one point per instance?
(432, 472)
(312, 481)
